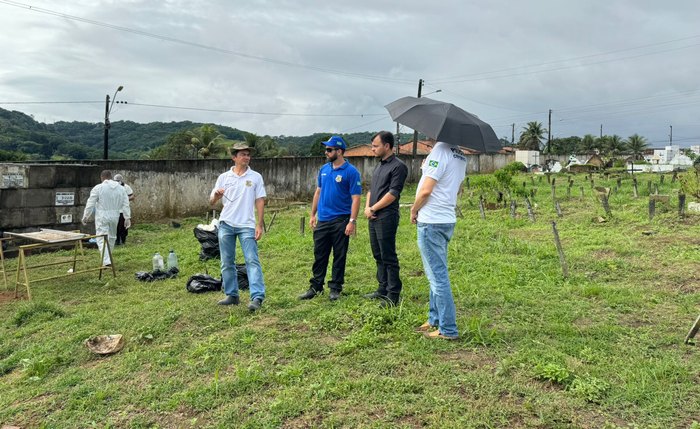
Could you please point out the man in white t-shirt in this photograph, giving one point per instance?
(242, 192)
(434, 212)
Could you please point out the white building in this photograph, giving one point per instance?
(663, 156)
(695, 149)
(528, 157)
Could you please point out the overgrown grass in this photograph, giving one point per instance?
(602, 348)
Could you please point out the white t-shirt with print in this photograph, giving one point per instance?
(240, 193)
(447, 165)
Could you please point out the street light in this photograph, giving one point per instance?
(108, 108)
(437, 90)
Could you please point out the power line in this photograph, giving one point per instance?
(207, 47)
(51, 102)
(365, 124)
(245, 112)
(459, 78)
(201, 109)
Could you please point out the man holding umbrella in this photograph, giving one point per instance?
(434, 212)
(436, 197)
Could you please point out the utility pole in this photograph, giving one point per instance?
(108, 108)
(415, 133)
(601, 131)
(398, 139)
(105, 154)
(670, 136)
(512, 135)
(549, 133)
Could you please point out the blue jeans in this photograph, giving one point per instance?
(227, 248)
(433, 239)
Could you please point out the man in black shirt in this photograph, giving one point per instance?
(382, 211)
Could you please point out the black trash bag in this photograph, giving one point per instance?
(242, 273)
(210, 243)
(199, 283)
(145, 276)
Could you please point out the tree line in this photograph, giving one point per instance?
(532, 137)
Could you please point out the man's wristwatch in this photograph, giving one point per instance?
(353, 220)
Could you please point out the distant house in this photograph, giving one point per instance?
(423, 148)
(360, 150)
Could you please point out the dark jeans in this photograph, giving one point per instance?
(382, 238)
(122, 232)
(330, 235)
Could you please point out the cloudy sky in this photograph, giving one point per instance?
(298, 67)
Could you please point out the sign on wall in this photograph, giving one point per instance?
(67, 218)
(13, 180)
(65, 198)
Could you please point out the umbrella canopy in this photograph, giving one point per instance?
(444, 122)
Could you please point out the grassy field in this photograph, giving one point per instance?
(602, 348)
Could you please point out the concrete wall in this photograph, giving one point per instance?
(44, 195)
(166, 189)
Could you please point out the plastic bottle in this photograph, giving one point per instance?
(172, 260)
(157, 262)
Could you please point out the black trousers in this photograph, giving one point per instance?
(329, 236)
(122, 231)
(382, 238)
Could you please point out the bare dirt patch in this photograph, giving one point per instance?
(9, 296)
(470, 359)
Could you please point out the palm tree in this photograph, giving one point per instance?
(532, 136)
(636, 144)
(615, 145)
(587, 144)
(251, 138)
(204, 138)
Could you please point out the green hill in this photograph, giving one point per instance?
(23, 138)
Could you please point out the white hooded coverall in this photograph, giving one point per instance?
(107, 200)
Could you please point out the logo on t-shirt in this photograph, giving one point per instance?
(249, 183)
(338, 178)
(433, 163)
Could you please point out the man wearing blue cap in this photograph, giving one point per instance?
(333, 218)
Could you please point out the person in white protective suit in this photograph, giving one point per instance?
(106, 201)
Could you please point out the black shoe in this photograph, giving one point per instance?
(309, 294)
(255, 304)
(229, 300)
(387, 303)
(374, 295)
(334, 295)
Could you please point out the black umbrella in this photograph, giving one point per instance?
(444, 122)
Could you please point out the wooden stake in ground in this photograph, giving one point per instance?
(581, 192)
(530, 212)
(513, 207)
(468, 185)
(481, 207)
(557, 207)
(662, 179)
(302, 225)
(649, 186)
(560, 250)
(652, 208)
(693, 330)
(268, 228)
(681, 205)
(674, 177)
(554, 191)
(634, 188)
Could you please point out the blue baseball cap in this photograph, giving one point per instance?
(336, 142)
